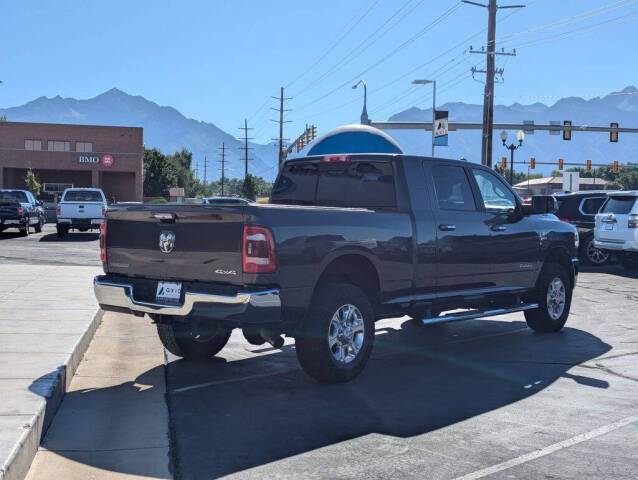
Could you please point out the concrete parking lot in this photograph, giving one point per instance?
(475, 399)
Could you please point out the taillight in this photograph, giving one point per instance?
(58, 211)
(20, 211)
(566, 220)
(632, 221)
(258, 250)
(103, 242)
(336, 158)
(103, 210)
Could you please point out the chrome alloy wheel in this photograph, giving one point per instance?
(596, 256)
(556, 298)
(346, 333)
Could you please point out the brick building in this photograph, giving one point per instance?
(62, 156)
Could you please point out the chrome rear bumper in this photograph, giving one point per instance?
(255, 307)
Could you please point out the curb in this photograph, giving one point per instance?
(17, 465)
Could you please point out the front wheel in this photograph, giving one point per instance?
(25, 230)
(338, 334)
(192, 340)
(38, 226)
(554, 298)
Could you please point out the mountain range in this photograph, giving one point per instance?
(168, 130)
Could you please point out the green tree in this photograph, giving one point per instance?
(32, 183)
(249, 187)
(159, 174)
(3, 118)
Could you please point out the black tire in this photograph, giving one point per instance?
(591, 255)
(38, 226)
(629, 261)
(182, 339)
(26, 229)
(312, 344)
(544, 318)
(62, 230)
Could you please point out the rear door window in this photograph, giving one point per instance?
(590, 206)
(296, 185)
(452, 187)
(620, 205)
(83, 196)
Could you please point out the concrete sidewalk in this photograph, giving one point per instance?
(48, 315)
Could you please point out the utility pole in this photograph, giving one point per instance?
(205, 170)
(197, 170)
(246, 147)
(223, 162)
(488, 94)
(281, 122)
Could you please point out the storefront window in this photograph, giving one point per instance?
(33, 144)
(84, 147)
(58, 146)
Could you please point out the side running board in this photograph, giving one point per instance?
(472, 314)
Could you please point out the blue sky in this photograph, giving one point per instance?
(220, 61)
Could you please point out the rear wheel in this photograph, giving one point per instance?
(554, 297)
(592, 255)
(192, 340)
(62, 230)
(338, 334)
(629, 260)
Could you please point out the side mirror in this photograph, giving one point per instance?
(541, 204)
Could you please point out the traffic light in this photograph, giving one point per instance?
(532, 163)
(561, 162)
(567, 133)
(613, 135)
(313, 132)
(588, 166)
(616, 168)
(307, 136)
(504, 163)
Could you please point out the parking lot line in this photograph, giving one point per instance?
(583, 437)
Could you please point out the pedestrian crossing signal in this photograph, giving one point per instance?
(532, 163)
(588, 166)
(613, 135)
(567, 132)
(561, 163)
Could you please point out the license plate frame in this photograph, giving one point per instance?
(609, 227)
(168, 292)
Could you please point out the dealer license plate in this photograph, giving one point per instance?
(168, 292)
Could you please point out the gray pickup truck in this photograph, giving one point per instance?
(346, 240)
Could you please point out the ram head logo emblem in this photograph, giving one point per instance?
(167, 241)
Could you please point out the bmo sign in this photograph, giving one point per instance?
(106, 160)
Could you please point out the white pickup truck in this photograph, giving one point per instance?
(81, 209)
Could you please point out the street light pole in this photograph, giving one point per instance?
(520, 136)
(433, 82)
(364, 113)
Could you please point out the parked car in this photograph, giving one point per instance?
(19, 209)
(617, 227)
(225, 200)
(347, 240)
(580, 209)
(81, 209)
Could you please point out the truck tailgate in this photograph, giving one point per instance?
(206, 242)
(80, 210)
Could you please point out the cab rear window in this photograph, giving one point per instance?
(82, 196)
(621, 205)
(337, 184)
(13, 197)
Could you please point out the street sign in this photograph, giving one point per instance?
(528, 127)
(440, 128)
(555, 123)
(571, 181)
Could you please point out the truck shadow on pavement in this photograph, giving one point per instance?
(252, 406)
(71, 237)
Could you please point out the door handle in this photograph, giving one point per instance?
(498, 228)
(447, 227)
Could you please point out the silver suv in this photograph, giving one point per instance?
(617, 227)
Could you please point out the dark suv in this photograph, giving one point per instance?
(580, 209)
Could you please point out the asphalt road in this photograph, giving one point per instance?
(47, 249)
(474, 399)
(436, 402)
